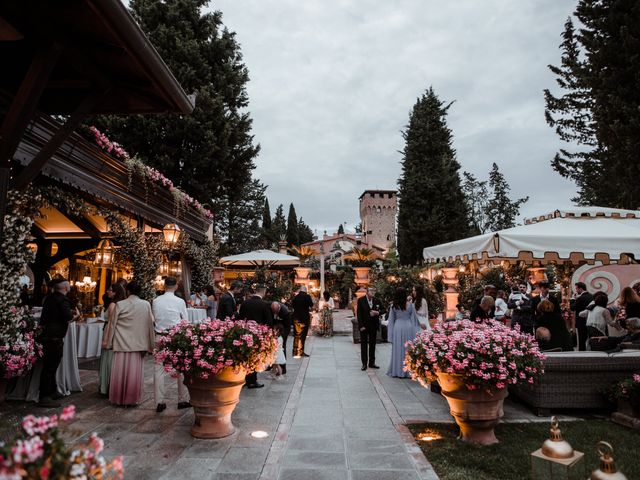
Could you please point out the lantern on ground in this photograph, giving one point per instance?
(607, 469)
(171, 232)
(104, 254)
(557, 459)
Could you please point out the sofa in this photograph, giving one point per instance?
(575, 380)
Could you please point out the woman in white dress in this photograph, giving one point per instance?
(421, 307)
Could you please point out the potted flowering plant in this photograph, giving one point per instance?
(474, 364)
(214, 357)
(626, 394)
(39, 451)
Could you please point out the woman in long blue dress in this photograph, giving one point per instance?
(403, 326)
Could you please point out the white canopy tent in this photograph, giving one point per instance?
(260, 258)
(573, 235)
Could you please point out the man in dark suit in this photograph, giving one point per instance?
(581, 299)
(302, 303)
(57, 312)
(227, 303)
(281, 315)
(256, 309)
(544, 295)
(368, 313)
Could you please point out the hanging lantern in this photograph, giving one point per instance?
(607, 469)
(164, 267)
(171, 232)
(33, 246)
(556, 459)
(176, 268)
(104, 254)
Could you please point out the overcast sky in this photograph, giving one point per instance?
(333, 82)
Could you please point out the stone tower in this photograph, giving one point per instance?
(378, 210)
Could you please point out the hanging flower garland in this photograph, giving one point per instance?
(18, 348)
(201, 257)
(143, 251)
(135, 165)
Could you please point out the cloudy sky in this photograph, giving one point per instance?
(333, 82)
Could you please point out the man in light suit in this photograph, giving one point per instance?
(368, 312)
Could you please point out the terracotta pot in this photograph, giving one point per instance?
(302, 274)
(476, 412)
(214, 400)
(362, 275)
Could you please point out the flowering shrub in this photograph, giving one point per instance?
(487, 355)
(627, 389)
(40, 452)
(205, 349)
(19, 350)
(134, 164)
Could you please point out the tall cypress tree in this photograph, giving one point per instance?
(293, 237)
(209, 153)
(279, 223)
(267, 227)
(431, 207)
(500, 210)
(305, 234)
(340, 230)
(599, 108)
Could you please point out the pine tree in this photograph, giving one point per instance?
(599, 109)
(209, 153)
(267, 227)
(431, 208)
(476, 198)
(305, 234)
(279, 224)
(292, 227)
(340, 230)
(501, 211)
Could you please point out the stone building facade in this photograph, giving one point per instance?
(378, 209)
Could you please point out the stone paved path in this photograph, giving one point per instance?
(327, 420)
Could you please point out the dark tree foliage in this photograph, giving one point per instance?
(501, 211)
(267, 226)
(340, 230)
(209, 153)
(292, 227)
(598, 110)
(431, 208)
(279, 224)
(241, 223)
(305, 234)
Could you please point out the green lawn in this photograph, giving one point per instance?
(510, 459)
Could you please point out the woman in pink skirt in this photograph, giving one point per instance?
(131, 336)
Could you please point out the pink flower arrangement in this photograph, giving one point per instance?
(40, 452)
(487, 355)
(19, 350)
(115, 149)
(206, 348)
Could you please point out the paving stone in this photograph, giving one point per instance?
(313, 460)
(243, 460)
(317, 443)
(364, 445)
(287, 473)
(193, 468)
(384, 475)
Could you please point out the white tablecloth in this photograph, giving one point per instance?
(89, 338)
(196, 315)
(67, 376)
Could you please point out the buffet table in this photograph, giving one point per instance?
(196, 315)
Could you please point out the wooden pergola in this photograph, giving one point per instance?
(74, 58)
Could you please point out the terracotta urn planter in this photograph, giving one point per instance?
(214, 400)
(362, 275)
(302, 274)
(476, 412)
